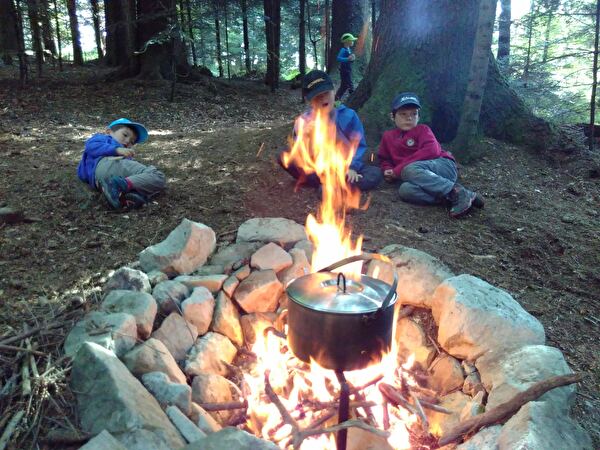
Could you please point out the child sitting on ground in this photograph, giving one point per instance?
(411, 154)
(107, 165)
(318, 90)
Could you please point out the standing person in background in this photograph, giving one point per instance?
(345, 57)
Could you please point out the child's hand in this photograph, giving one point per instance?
(388, 174)
(351, 57)
(126, 152)
(353, 176)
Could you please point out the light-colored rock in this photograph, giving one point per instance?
(486, 439)
(230, 285)
(153, 356)
(419, 274)
(539, 425)
(185, 249)
(209, 269)
(103, 441)
(198, 309)
(233, 253)
(475, 317)
(259, 292)
(446, 374)
(212, 388)
(300, 267)
(271, 256)
(116, 332)
(243, 272)
(229, 439)
(142, 439)
(359, 439)
(254, 325)
(109, 397)
(441, 422)
(226, 320)
(208, 353)
(203, 419)
(169, 295)
(473, 408)
(168, 393)
(128, 279)
(213, 283)
(156, 276)
(505, 374)
(186, 427)
(140, 305)
(177, 334)
(306, 246)
(473, 384)
(281, 231)
(412, 340)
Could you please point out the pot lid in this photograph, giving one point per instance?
(320, 291)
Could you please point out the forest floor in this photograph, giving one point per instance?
(538, 236)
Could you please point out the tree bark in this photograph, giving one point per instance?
(9, 44)
(272, 33)
(347, 17)
(503, 54)
(155, 31)
(312, 36)
(532, 14)
(218, 37)
(18, 21)
(191, 31)
(58, 37)
(426, 47)
(36, 33)
(244, 7)
(97, 33)
(595, 79)
(466, 135)
(227, 40)
(75, 37)
(47, 39)
(327, 33)
(302, 40)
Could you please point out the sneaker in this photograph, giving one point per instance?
(133, 200)
(462, 200)
(111, 192)
(478, 202)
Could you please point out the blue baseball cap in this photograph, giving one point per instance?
(316, 82)
(140, 130)
(405, 98)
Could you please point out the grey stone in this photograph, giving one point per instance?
(103, 441)
(506, 373)
(209, 269)
(177, 334)
(212, 388)
(128, 279)
(259, 292)
(153, 356)
(446, 374)
(300, 267)
(243, 272)
(213, 283)
(109, 397)
(116, 332)
(198, 309)
(473, 384)
(140, 305)
(233, 253)
(230, 285)
(156, 276)
(231, 438)
(419, 274)
(271, 256)
(486, 439)
(169, 295)
(454, 402)
(475, 317)
(185, 249)
(540, 425)
(142, 439)
(208, 353)
(226, 320)
(284, 232)
(203, 419)
(306, 246)
(168, 393)
(186, 427)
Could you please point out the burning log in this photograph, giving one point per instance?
(226, 406)
(502, 412)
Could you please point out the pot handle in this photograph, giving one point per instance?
(367, 257)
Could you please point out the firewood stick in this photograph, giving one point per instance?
(396, 398)
(375, 380)
(31, 332)
(301, 435)
(386, 414)
(12, 348)
(57, 437)
(317, 405)
(324, 418)
(502, 412)
(275, 400)
(226, 406)
(421, 413)
(434, 407)
(10, 429)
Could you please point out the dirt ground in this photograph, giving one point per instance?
(538, 236)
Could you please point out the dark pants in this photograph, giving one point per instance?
(371, 175)
(345, 85)
(427, 182)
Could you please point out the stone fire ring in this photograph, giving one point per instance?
(153, 351)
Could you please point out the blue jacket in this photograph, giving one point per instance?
(96, 148)
(349, 126)
(343, 58)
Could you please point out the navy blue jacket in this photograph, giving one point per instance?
(343, 58)
(96, 148)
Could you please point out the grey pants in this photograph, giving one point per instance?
(146, 180)
(427, 182)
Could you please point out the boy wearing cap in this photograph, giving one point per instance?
(318, 90)
(345, 57)
(107, 165)
(411, 154)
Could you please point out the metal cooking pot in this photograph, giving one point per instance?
(341, 323)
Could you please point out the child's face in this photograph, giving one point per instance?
(407, 118)
(124, 136)
(349, 43)
(325, 101)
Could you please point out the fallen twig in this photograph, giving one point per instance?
(300, 436)
(31, 332)
(12, 349)
(10, 429)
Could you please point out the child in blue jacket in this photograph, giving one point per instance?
(107, 165)
(345, 57)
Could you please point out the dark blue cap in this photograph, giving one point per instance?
(404, 99)
(316, 82)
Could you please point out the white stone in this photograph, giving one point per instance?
(185, 249)
(116, 332)
(156, 276)
(454, 402)
(198, 309)
(300, 267)
(259, 292)
(103, 441)
(243, 272)
(232, 254)
(169, 294)
(208, 353)
(209, 269)
(284, 232)
(231, 439)
(485, 439)
(140, 305)
(129, 279)
(212, 388)
(475, 317)
(446, 374)
(213, 283)
(168, 393)
(186, 427)
(271, 256)
(203, 419)
(177, 334)
(306, 246)
(230, 285)
(153, 356)
(226, 320)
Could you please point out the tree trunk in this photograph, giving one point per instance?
(191, 31)
(47, 38)
(327, 34)
(433, 60)
(227, 40)
(503, 54)
(218, 38)
(121, 36)
(302, 40)
(58, 37)
(9, 44)
(36, 33)
(347, 18)
(312, 36)
(18, 21)
(532, 14)
(75, 37)
(595, 79)
(467, 133)
(272, 32)
(97, 33)
(244, 6)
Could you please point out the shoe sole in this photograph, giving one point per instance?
(478, 202)
(464, 211)
(105, 190)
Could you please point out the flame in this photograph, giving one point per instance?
(317, 150)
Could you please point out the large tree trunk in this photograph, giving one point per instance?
(503, 54)
(9, 44)
(58, 37)
(272, 33)
(218, 38)
(75, 37)
(156, 22)
(302, 40)
(226, 13)
(426, 47)
(48, 40)
(594, 79)
(97, 33)
(191, 31)
(244, 6)
(347, 18)
(36, 33)
(120, 20)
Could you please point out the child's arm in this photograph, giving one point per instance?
(343, 55)
(357, 128)
(385, 158)
(98, 146)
